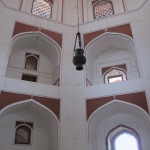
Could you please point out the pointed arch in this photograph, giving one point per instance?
(38, 44)
(123, 103)
(23, 134)
(31, 62)
(32, 111)
(42, 8)
(112, 114)
(114, 72)
(110, 49)
(121, 130)
(38, 34)
(102, 9)
(9, 108)
(107, 34)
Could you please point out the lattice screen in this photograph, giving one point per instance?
(42, 8)
(103, 9)
(113, 73)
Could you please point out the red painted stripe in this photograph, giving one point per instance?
(62, 11)
(21, 5)
(123, 5)
(82, 12)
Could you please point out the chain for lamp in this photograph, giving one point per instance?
(78, 59)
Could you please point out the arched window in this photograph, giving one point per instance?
(42, 8)
(31, 61)
(125, 141)
(115, 75)
(102, 9)
(23, 134)
(123, 138)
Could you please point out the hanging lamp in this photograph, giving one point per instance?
(78, 57)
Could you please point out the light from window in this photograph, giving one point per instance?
(126, 141)
(115, 79)
(103, 9)
(114, 75)
(41, 8)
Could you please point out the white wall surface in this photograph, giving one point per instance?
(112, 115)
(16, 67)
(44, 132)
(73, 130)
(13, 4)
(71, 6)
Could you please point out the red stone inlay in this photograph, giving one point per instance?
(52, 104)
(124, 29)
(7, 98)
(138, 99)
(51, 1)
(91, 36)
(119, 66)
(21, 28)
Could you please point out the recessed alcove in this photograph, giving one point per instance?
(44, 132)
(117, 114)
(40, 47)
(111, 50)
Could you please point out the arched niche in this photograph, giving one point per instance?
(43, 48)
(117, 113)
(110, 50)
(44, 131)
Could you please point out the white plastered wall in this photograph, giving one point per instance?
(68, 6)
(72, 91)
(48, 64)
(45, 126)
(114, 114)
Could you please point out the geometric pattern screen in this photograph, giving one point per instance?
(23, 135)
(114, 73)
(103, 9)
(31, 63)
(41, 8)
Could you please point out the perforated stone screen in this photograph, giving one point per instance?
(103, 9)
(114, 74)
(42, 8)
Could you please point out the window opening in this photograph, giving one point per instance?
(23, 133)
(118, 78)
(29, 78)
(115, 75)
(42, 8)
(125, 141)
(103, 9)
(31, 62)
